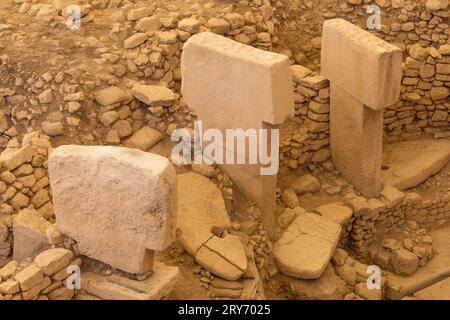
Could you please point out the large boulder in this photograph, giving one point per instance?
(117, 203)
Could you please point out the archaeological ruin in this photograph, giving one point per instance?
(224, 150)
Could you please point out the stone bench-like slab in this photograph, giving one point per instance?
(117, 203)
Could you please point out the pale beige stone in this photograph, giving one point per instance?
(29, 234)
(365, 66)
(356, 141)
(29, 277)
(128, 207)
(53, 260)
(115, 287)
(230, 86)
(306, 247)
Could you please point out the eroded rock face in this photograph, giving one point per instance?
(306, 247)
(117, 203)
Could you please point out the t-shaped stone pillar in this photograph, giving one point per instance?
(365, 76)
(119, 204)
(233, 86)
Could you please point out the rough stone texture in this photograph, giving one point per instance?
(144, 139)
(237, 86)
(335, 212)
(306, 247)
(199, 212)
(154, 96)
(404, 262)
(224, 257)
(111, 95)
(356, 141)
(117, 203)
(328, 287)
(414, 162)
(53, 260)
(29, 234)
(365, 66)
(114, 287)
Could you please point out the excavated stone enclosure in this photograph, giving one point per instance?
(93, 92)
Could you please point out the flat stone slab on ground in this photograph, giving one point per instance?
(306, 246)
(200, 208)
(412, 162)
(117, 203)
(114, 287)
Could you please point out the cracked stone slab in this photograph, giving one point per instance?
(412, 162)
(200, 208)
(307, 245)
(224, 257)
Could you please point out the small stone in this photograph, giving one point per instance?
(306, 184)
(144, 139)
(154, 95)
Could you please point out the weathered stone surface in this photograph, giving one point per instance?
(29, 277)
(356, 141)
(306, 247)
(414, 161)
(328, 287)
(224, 257)
(157, 286)
(255, 89)
(53, 260)
(365, 66)
(199, 212)
(336, 213)
(144, 139)
(29, 234)
(12, 158)
(154, 96)
(404, 262)
(306, 183)
(129, 203)
(111, 95)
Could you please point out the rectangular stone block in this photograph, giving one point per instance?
(356, 141)
(117, 203)
(234, 86)
(365, 66)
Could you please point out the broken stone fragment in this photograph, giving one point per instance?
(29, 234)
(224, 257)
(133, 196)
(306, 247)
(405, 263)
(158, 286)
(199, 211)
(336, 213)
(154, 96)
(111, 95)
(306, 184)
(135, 40)
(144, 139)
